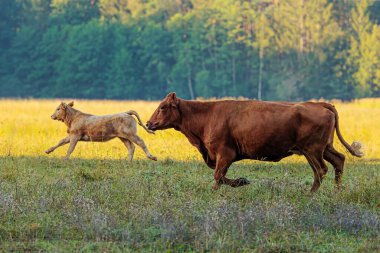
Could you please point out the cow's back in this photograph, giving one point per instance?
(264, 130)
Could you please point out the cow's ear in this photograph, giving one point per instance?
(171, 96)
(63, 105)
(71, 104)
(172, 99)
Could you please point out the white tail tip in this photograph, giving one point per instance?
(357, 146)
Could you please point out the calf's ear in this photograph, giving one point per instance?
(71, 104)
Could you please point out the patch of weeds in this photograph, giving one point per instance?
(167, 162)
(367, 195)
(98, 174)
(9, 172)
(9, 176)
(152, 233)
(7, 201)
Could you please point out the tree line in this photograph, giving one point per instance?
(142, 49)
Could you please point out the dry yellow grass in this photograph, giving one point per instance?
(27, 130)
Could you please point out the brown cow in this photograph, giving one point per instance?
(229, 131)
(86, 127)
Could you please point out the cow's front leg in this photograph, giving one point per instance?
(224, 159)
(60, 143)
(73, 142)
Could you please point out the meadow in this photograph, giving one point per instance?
(97, 201)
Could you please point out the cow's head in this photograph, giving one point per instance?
(60, 112)
(167, 115)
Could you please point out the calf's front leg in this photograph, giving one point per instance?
(130, 146)
(73, 142)
(60, 143)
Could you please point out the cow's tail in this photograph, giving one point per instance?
(132, 112)
(355, 147)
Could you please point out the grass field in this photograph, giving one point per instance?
(97, 201)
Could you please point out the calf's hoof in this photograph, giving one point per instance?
(48, 151)
(153, 158)
(240, 182)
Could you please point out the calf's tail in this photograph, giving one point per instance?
(355, 147)
(132, 112)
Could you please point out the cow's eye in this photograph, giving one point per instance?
(163, 107)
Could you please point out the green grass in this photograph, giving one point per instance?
(48, 204)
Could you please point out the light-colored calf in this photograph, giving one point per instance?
(86, 127)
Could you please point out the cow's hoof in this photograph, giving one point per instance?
(240, 182)
(153, 158)
(47, 151)
(338, 188)
(215, 187)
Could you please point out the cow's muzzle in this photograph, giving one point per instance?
(151, 126)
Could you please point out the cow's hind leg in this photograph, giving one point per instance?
(223, 161)
(337, 161)
(319, 167)
(136, 139)
(130, 146)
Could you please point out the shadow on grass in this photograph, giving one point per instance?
(252, 164)
(295, 174)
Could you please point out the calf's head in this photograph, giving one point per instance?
(167, 115)
(60, 112)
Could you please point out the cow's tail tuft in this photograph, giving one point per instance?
(355, 147)
(132, 112)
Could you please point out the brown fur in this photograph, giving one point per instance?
(86, 127)
(228, 131)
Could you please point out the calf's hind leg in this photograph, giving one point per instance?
(135, 139)
(130, 146)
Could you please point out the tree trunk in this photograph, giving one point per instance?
(301, 28)
(189, 82)
(261, 65)
(234, 73)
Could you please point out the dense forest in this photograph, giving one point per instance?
(142, 49)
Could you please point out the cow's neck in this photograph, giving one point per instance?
(70, 116)
(194, 116)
